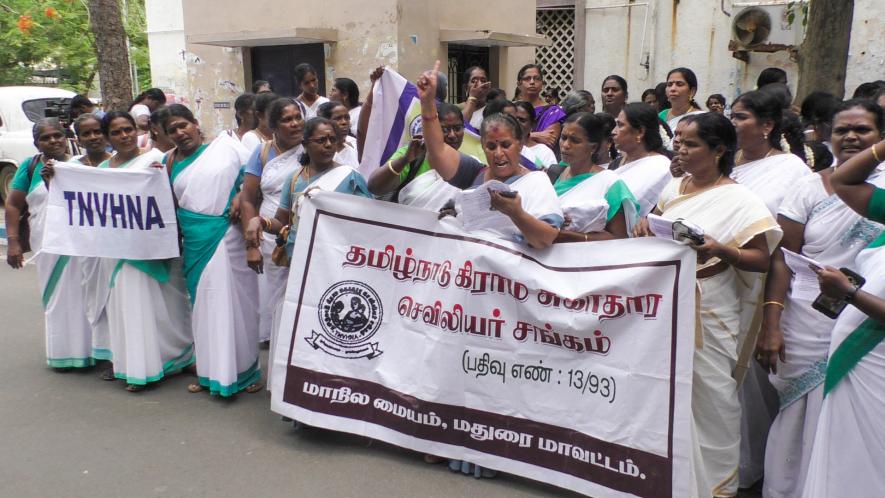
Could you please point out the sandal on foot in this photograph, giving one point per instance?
(108, 374)
(134, 388)
(254, 388)
(195, 388)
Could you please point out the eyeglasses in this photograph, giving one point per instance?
(322, 140)
(452, 129)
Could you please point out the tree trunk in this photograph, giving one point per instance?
(113, 55)
(823, 56)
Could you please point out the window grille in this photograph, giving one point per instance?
(558, 59)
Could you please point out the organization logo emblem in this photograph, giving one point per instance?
(350, 314)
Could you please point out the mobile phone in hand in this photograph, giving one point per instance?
(833, 307)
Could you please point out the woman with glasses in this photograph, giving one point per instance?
(549, 117)
(318, 170)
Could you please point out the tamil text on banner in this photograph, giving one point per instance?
(110, 213)
(570, 365)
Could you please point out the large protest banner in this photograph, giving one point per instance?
(570, 365)
(110, 213)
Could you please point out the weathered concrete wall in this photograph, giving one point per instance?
(165, 30)
(695, 34)
(402, 34)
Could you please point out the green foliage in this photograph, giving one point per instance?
(800, 7)
(42, 39)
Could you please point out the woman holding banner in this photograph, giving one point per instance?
(87, 128)
(267, 171)
(534, 209)
(596, 203)
(147, 306)
(317, 169)
(643, 166)
(795, 337)
(68, 332)
(223, 289)
(738, 236)
(848, 445)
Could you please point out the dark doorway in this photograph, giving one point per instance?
(460, 58)
(276, 64)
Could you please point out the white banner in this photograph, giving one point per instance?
(570, 365)
(110, 213)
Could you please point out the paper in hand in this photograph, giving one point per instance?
(475, 211)
(804, 285)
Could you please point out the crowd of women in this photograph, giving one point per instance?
(771, 177)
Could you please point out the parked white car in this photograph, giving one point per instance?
(20, 108)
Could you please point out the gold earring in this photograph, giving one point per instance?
(765, 136)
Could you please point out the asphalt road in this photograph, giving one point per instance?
(74, 435)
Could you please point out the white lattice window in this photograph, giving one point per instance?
(558, 59)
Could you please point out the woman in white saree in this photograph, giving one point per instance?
(534, 211)
(316, 169)
(848, 444)
(795, 338)
(266, 171)
(768, 172)
(223, 289)
(147, 308)
(596, 204)
(643, 168)
(87, 128)
(739, 236)
(68, 332)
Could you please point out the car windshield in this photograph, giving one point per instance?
(36, 109)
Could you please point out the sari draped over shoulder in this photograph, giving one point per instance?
(68, 331)
(770, 178)
(147, 310)
(272, 283)
(646, 178)
(732, 215)
(222, 288)
(833, 235)
(339, 178)
(849, 444)
(594, 199)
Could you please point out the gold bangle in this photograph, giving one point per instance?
(776, 303)
(390, 167)
(875, 155)
(738, 260)
(472, 99)
(586, 238)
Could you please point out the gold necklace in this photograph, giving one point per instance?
(700, 189)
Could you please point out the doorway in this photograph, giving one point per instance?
(276, 64)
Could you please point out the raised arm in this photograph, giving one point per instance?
(440, 156)
(849, 181)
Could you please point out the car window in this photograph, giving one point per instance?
(35, 109)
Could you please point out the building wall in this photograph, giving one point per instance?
(695, 34)
(165, 31)
(402, 34)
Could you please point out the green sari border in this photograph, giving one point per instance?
(54, 277)
(245, 379)
(849, 353)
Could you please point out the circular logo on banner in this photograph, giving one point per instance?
(350, 312)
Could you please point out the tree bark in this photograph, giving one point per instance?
(113, 55)
(823, 56)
